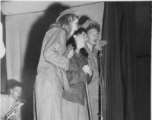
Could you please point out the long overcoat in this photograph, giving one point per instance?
(74, 100)
(77, 79)
(51, 76)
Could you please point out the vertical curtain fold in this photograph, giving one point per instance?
(3, 73)
(13, 55)
(114, 91)
(118, 30)
(128, 58)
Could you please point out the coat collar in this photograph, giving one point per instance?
(58, 25)
(93, 53)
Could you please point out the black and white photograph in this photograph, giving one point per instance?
(75, 60)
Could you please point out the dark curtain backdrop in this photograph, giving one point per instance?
(120, 60)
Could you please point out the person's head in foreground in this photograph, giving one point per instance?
(16, 90)
(93, 29)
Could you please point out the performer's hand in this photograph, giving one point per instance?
(87, 70)
(69, 52)
(13, 116)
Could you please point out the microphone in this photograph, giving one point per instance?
(100, 44)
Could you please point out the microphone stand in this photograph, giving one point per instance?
(88, 101)
(100, 85)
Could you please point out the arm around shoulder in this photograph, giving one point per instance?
(55, 48)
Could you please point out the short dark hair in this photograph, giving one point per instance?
(93, 25)
(71, 39)
(72, 42)
(79, 31)
(16, 84)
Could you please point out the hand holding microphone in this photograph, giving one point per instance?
(87, 70)
(70, 54)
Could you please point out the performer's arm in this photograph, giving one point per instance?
(52, 51)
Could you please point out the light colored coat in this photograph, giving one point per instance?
(51, 77)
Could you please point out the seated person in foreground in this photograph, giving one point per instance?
(8, 102)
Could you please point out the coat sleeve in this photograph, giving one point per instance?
(76, 77)
(75, 74)
(53, 51)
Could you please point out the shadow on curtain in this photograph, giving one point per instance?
(35, 39)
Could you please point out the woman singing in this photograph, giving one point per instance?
(53, 63)
(74, 99)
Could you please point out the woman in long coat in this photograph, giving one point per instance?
(74, 99)
(53, 63)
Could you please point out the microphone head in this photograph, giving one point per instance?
(100, 44)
